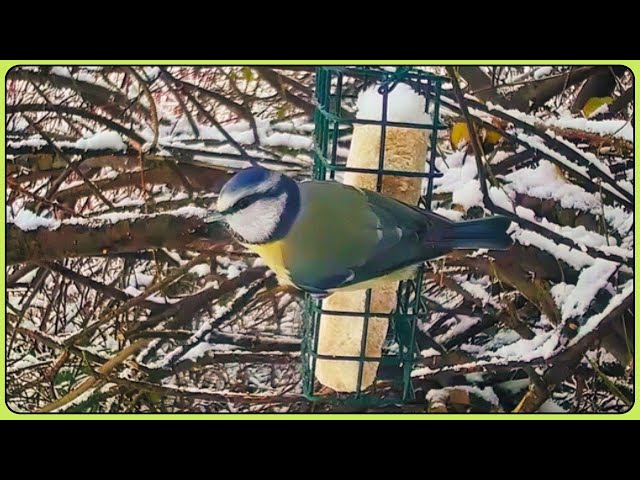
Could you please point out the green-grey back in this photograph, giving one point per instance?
(344, 235)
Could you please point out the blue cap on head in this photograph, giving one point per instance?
(251, 183)
(247, 178)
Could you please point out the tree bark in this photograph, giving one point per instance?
(601, 84)
(536, 93)
(161, 231)
(183, 177)
(528, 97)
(110, 100)
(619, 104)
(563, 364)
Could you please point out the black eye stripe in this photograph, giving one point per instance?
(247, 201)
(243, 202)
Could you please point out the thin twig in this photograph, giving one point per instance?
(478, 152)
(69, 162)
(104, 370)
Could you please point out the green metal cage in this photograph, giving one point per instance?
(336, 92)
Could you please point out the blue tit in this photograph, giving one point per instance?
(323, 237)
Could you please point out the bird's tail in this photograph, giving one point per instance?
(490, 232)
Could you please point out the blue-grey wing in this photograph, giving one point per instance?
(345, 236)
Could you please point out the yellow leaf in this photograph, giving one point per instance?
(459, 135)
(247, 73)
(593, 104)
(281, 113)
(559, 173)
(492, 137)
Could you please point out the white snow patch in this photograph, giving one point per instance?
(114, 217)
(259, 262)
(455, 176)
(619, 219)
(500, 198)
(102, 141)
(513, 386)
(27, 278)
(155, 298)
(61, 71)
(138, 279)
(542, 72)
(542, 345)
(429, 352)
(289, 140)
(242, 133)
(560, 292)
(551, 407)
(618, 128)
(403, 105)
(33, 142)
(546, 182)
(590, 282)
(450, 214)
(201, 270)
(479, 292)
(27, 220)
(460, 180)
(572, 257)
(580, 235)
(189, 211)
(538, 144)
(462, 324)
(233, 271)
(26, 362)
(468, 195)
(440, 395)
(197, 351)
(593, 321)
(130, 202)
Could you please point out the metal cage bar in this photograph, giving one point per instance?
(331, 114)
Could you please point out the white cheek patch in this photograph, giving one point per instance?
(258, 221)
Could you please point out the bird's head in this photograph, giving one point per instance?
(259, 205)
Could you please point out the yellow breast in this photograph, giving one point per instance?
(273, 255)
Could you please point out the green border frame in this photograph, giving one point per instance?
(6, 414)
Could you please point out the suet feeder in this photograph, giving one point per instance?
(369, 361)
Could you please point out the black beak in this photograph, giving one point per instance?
(214, 217)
